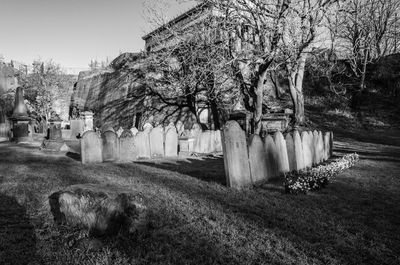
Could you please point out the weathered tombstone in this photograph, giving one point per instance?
(142, 143)
(320, 148)
(257, 160)
(77, 128)
(91, 148)
(110, 146)
(307, 153)
(236, 159)
(196, 134)
(315, 147)
(186, 146)
(331, 144)
(272, 157)
(326, 145)
(218, 141)
(120, 131)
(4, 128)
(291, 152)
(298, 151)
(283, 164)
(157, 142)
(55, 129)
(205, 142)
(171, 142)
(134, 131)
(127, 148)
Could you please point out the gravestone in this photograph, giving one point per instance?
(127, 148)
(283, 162)
(171, 142)
(91, 148)
(142, 144)
(157, 142)
(196, 134)
(291, 152)
(4, 128)
(186, 146)
(110, 146)
(218, 141)
(120, 131)
(331, 144)
(205, 142)
(77, 128)
(298, 150)
(236, 159)
(307, 153)
(257, 160)
(315, 147)
(320, 147)
(134, 131)
(272, 157)
(326, 145)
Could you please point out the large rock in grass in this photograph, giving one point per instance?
(102, 210)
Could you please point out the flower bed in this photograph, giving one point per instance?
(316, 178)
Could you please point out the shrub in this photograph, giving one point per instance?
(316, 178)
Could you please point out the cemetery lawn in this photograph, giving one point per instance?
(194, 219)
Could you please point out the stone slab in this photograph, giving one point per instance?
(257, 160)
(236, 161)
(91, 148)
(110, 146)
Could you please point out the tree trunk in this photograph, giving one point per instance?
(215, 114)
(296, 76)
(258, 102)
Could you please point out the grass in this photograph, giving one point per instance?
(194, 219)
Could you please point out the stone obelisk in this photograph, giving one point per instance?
(20, 119)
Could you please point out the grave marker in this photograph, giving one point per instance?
(307, 152)
(171, 142)
(127, 148)
(142, 143)
(91, 148)
(157, 142)
(272, 157)
(283, 162)
(298, 150)
(236, 160)
(257, 160)
(291, 152)
(110, 146)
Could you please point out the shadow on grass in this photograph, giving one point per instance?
(17, 236)
(337, 223)
(205, 169)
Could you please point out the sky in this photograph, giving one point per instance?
(72, 32)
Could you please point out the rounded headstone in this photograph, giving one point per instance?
(257, 160)
(91, 146)
(283, 162)
(272, 156)
(236, 158)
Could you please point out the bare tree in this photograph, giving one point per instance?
(367, 30)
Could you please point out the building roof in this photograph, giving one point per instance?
(190, 12)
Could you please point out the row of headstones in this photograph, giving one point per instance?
(258, 160)
(206, 142)
(152, 142)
